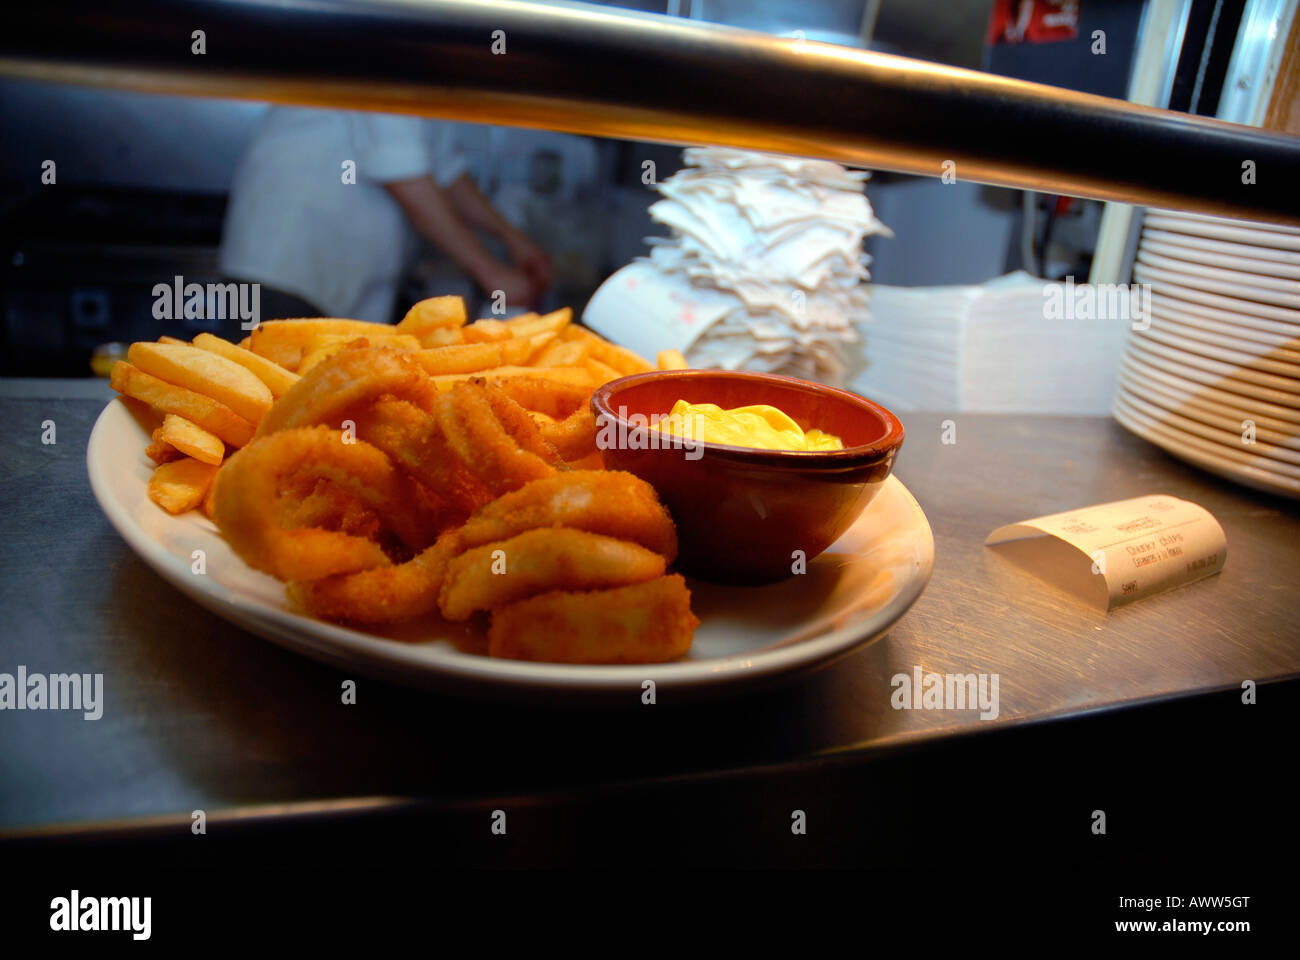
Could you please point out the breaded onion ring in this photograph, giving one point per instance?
(608, 502)
(646, 623)
(541, 560)
(381, 594)
(244, 503)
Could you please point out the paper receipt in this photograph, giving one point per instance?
(1135, 547)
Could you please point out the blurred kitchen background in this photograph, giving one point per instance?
(142, 179)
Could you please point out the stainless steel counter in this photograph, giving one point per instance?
(199, 714)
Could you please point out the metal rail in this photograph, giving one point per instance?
(590, 70)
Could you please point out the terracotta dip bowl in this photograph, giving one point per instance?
(743, 513)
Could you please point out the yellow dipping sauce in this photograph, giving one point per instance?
(761, 426)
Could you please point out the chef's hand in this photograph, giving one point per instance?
(518, 287)
(532, 260)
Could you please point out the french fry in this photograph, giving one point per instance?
(247, 343)
(276, 378)
(384, 337)
(160, 451)
(529, 324)
(173, 340)
(671, 360)
(600, 372)
(486, 331)
(192, 440)
(443, 337)
(620, 358)
(562, 353)
(283, 340)
(313, 357)
(211, 415)
(207, 373)
(473, 357)
(573, 376)
(432, 314)
(208, 501)
(327, 345)
(521, 323)
(537, 343)
(181, 484)
(576, 376)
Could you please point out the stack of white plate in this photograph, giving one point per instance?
(1215, 379)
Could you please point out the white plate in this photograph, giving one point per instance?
(1191, 258)
(850, 595)
(1269, 431)
(1254, 356)
(1206, 219)
(1226, 283)
(1230, 403)
(1217, 231)
(1162, 283)
(1162, 361)
(1176, 445)
(1232, 451)
(1205, 404)
(1244, 251)
(1286, 389)
(1228, 324)
(1275, 456)
(1253, 342)
(1281, 283)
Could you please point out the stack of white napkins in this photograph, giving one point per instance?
(764, 269)
(993, 347)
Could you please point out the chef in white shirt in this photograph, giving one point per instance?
(326, 205)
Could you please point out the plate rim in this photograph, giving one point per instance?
(1190, 257)
(370, 653)
(1252, 477)
(1146, 367)
(1158, 332)
(1191, 241)
(1234, 306)
(1173, 420)
(1237, 290)
(1136, 381)
(1209, 367)
(1251, 236)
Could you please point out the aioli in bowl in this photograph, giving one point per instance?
(744, 514)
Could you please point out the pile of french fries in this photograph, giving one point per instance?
(211, 394)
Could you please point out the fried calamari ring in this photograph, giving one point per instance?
(574, 437)
(346, 382)
(573, 432)
(649, 622)
(414, 441)
(317, 502)
(556, 400)
(381, 594)
(495, 437)
(608, 502)
(244, 503)
(540, 560)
